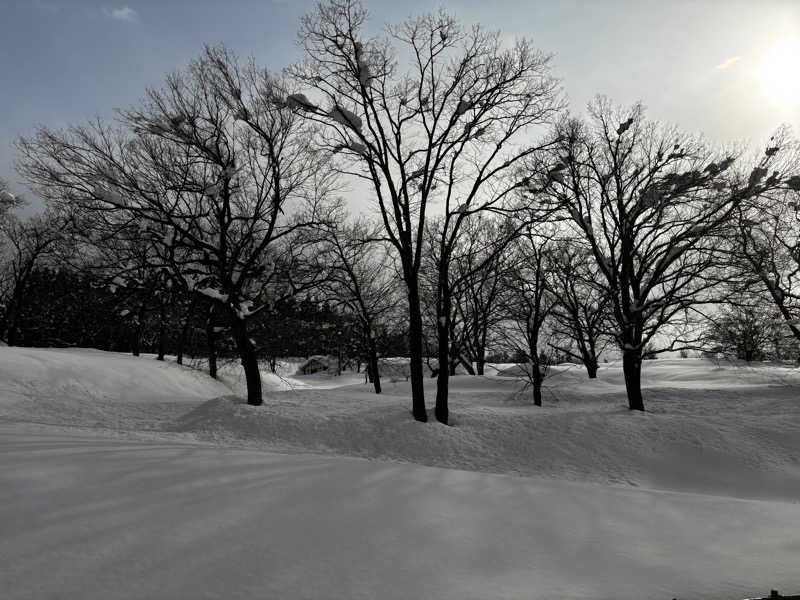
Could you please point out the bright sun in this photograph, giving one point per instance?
(780, 73)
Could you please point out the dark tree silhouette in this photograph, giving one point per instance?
(214, 162)
(653, 205)
(446, 127)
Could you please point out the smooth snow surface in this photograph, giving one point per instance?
(125, 477)
(87, 517)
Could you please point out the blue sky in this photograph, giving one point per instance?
(730, 69)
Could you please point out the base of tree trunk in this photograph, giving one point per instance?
(632, 369)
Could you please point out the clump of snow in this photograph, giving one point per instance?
(345, 117)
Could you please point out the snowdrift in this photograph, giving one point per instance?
(84, 387)
(729, 430)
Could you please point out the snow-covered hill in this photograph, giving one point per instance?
(90, 388)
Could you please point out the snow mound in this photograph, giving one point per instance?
(739, 440)
(87, 387)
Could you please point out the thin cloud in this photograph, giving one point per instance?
(728, 62)
(126, 13)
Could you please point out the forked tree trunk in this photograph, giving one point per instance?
(247, 354)
(590, 360)
(632, 369)
(415, 345)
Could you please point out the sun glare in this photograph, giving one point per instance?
(780, 73)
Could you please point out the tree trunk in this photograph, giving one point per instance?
(162, 328)
(187, 321)
(415, 345)
(442, 382)
(247, 354)
(467, 365)
(135, 337)
(632, 369)
(211, 340)
(373, 365)
(137, 330)
(536, 380)
(591, 369)
(480, 362)
(446, 367)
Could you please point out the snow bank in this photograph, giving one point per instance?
(85, 387)
(736, 435)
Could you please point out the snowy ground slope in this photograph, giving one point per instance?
(89, 517)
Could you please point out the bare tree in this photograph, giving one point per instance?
(528, 303)
(766, 244)
(359, 279)
(24, 245)
(480, 269)
(210, 158)
(581, 307)
(445, 129)
(747, 330)
(652, 204)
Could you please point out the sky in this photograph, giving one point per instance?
(728, 69)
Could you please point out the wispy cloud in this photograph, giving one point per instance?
(728, 62)
(126, 13)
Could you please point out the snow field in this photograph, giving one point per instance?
(125, 477)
